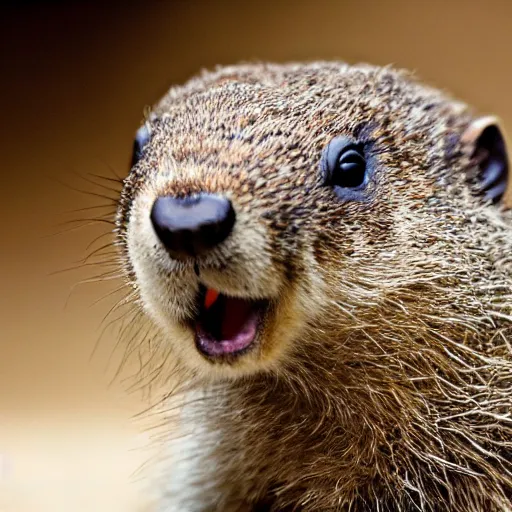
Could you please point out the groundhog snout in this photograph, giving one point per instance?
(191, 226)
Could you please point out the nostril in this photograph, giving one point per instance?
(192, 225)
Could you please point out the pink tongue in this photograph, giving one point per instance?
(236, 315)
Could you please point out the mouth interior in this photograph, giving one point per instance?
(226, 325)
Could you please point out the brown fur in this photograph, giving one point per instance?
(383, 377)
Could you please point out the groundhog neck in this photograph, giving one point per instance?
(334, 424)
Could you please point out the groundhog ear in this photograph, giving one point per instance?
(484, 143)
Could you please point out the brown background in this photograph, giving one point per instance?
(74, 81)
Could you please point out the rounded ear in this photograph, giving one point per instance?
(484, 143)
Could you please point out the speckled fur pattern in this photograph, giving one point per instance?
(382, 378)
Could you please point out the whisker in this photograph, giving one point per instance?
(107, 276)
(109, 324)
(112, 170)
(81, 265)
(90, 219)
(153, 375)
(87, 208)
(73, 228)
(104, 257)
(86, 192)
(128, 353)
(97, 252)
(109, 294)
(107, 233)
(95, 183)
(106, 326)
(122, 302)
(119, 181)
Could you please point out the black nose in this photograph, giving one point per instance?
(192, 225)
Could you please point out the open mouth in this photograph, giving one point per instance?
(226, 326)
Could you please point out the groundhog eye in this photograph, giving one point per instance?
(343, 164)
(350, 170)
(141, 139)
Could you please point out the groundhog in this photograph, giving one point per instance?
(325, 252)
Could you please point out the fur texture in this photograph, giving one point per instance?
(382, 378)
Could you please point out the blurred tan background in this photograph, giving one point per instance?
(75, 79)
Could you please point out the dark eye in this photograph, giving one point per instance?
(141, 139)
(343, 164)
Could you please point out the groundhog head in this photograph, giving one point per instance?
(271, 212)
